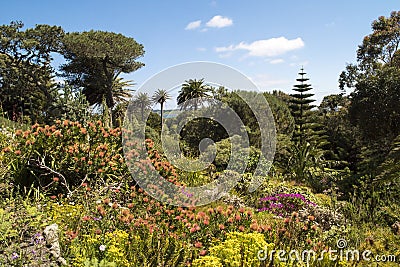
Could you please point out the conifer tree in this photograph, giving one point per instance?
(301, 109)
(306, 151)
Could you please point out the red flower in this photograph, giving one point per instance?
(254, 226)
(198, 244)
(85, 218)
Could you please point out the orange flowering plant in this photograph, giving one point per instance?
(66, 154)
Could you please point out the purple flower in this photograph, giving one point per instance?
(38, 238)
(284, 203)
(14, 256)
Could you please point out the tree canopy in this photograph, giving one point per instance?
(193, 94)
(95, 59)
(375, 80)
(25, 71)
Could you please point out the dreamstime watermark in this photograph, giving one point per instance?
(151, 179)
(342, 253)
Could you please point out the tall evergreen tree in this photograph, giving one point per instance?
(306, 152)
(301, 109)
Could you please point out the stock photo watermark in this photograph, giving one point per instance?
(342, 253)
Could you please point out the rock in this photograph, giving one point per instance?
(396, 228)
(324, 217)
(40, 250)
(50, 234)
(233, 200)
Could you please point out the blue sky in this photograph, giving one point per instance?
(266, 40)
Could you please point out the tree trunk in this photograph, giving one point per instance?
(162, 111)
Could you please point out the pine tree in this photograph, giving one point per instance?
(307, 140)
(301, 109)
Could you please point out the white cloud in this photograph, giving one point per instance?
(201, 49)
(265, 82)
(225, 55)
(193, 25)
(219, 22)
(276, 61)
(267, 47)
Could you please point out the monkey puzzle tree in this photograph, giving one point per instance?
(26, 76)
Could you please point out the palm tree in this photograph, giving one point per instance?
(161, 96)
(142, 101)
(193, 94)
(119, 91)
